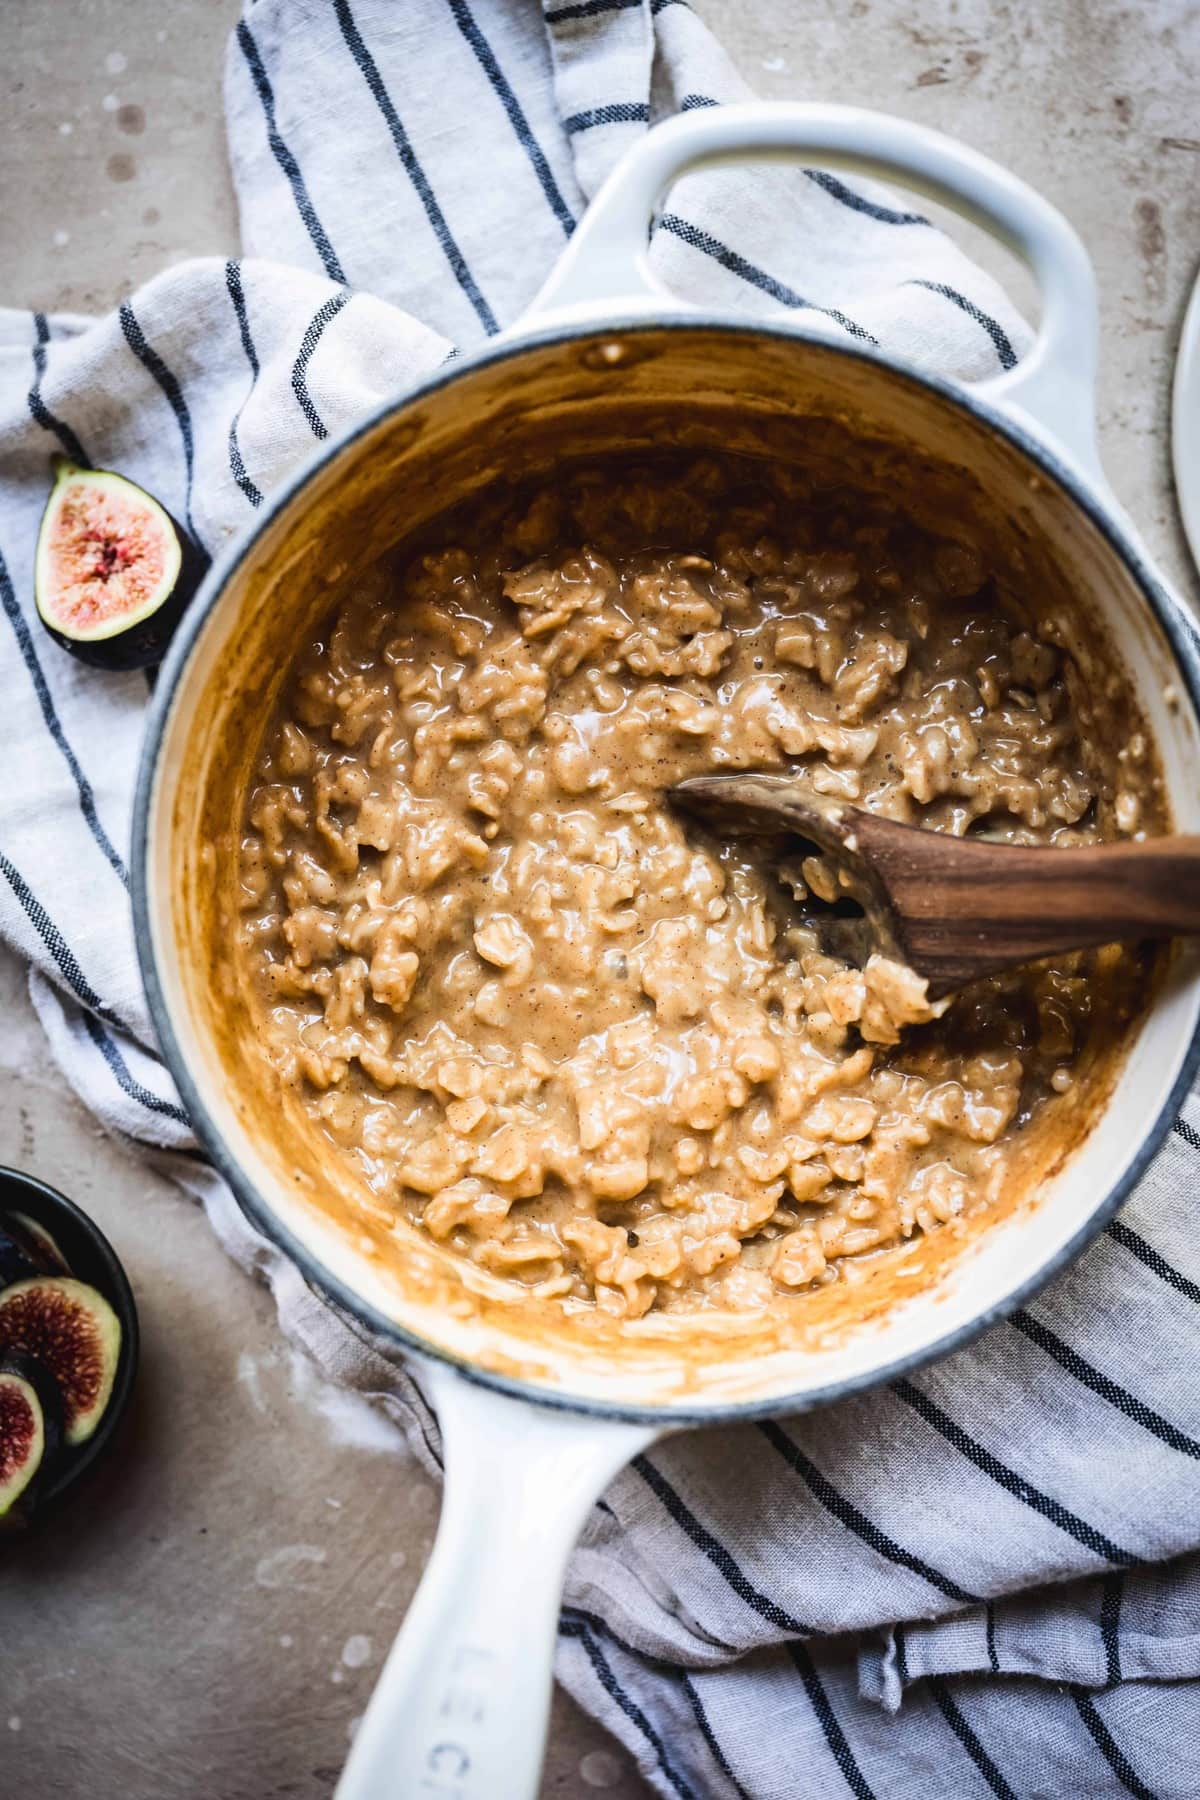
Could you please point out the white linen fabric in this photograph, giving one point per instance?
(858, 1601)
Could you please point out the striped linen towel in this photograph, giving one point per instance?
(984, 1580)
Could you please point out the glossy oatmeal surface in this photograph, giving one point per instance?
(560, 1029)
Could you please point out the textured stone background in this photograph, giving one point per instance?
(209, 1619)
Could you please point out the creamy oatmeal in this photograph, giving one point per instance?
(550, 1021)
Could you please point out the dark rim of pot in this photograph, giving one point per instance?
(91, 1258)
(1180, 634)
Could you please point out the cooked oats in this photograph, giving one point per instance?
(571, 1037)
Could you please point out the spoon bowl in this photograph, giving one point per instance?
(956, 909)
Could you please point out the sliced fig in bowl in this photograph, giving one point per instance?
(71, 1330)
(114, 571)
(35, 1243)
(30, 1431)
(18, 1258)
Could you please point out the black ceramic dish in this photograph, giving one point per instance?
(91, 1258)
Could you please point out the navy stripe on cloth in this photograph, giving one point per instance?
(1108, 1747)
(1108, 1389)
(737, 265)
(848, 1515)
(716, 1552)
(41, 412)
(966, 1736)
(154, 365)
(990, 1634)
(605, 1674)
(1185, 1131)
(233, 281)
(834, 1736)
(45, 700)
(595, 1623)
(1010, 1481)
(690, 102)
(589, 9)
(676, 1670)
(467, 24)
(1147, 1254)
(710, 1737)
(64, 957)
(284, 157)
(411, 164)
(620, 112)
(886, 215)
(308, 345)
(126, 1080)
(999, 337)
(1111, 1596)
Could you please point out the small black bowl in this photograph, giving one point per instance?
(91, 1258)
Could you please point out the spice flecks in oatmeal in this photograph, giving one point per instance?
(558, 1028)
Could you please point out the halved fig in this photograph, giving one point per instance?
(30, 1430)
(74, 1334)
(114, 571)
(36, 1242)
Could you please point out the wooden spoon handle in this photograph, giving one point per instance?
(965, 907)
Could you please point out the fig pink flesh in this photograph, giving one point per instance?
(18, 1427)
(105, 559)
(73, 1332)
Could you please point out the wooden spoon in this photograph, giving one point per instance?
(955, 908)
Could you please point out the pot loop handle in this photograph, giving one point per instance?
(605, 268)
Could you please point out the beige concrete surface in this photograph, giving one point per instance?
(207, 1618)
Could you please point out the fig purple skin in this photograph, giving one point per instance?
(32, 1242)
(17, 1259)
(114, 571)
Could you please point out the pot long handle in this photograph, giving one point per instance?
(460, 1710)
(605, 266)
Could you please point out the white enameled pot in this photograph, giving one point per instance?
(607, 359)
